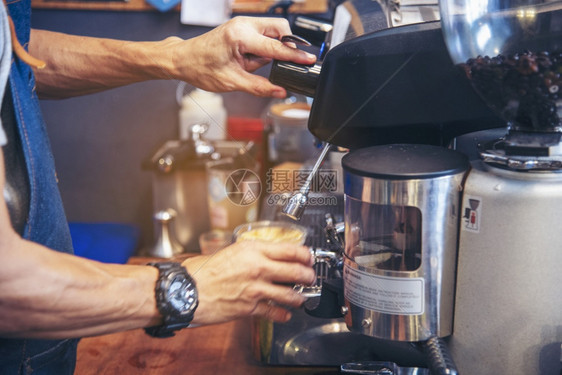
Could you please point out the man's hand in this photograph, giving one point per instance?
(247, 278)
(220, 60)
(223, 59)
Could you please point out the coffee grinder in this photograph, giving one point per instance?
(508, 311)
(410, 116)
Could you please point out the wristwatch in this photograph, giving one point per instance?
(176, 299)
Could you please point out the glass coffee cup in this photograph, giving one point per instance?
(277, 231)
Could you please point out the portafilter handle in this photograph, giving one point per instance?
(296, 78)
(297, 203)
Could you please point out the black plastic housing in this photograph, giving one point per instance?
(396, 85)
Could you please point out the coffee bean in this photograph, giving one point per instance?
(523, 87)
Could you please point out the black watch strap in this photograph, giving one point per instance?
(165, 330)
(172, 320)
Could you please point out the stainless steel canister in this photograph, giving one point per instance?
(401, 216)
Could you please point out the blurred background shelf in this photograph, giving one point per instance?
(261, 6)
(239, 6)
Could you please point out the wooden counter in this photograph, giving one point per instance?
(219, 349)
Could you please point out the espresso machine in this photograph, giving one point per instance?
(449, 250)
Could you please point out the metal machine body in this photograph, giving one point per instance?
(508, 309)
(401, 215)
(399, 85)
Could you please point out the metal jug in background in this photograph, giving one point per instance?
(179, 181)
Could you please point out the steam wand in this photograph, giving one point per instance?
(296, 204)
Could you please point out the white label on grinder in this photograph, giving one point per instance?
(388, 295)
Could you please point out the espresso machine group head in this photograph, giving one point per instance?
(453, 181)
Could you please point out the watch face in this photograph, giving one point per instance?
(182, 294)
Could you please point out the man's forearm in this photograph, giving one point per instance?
(46, 294)
(221, 60)
(79, 65)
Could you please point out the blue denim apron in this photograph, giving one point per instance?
(46, 222)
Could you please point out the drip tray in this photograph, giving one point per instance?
(330, 344)
(311, 341)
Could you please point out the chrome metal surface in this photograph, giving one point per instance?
(297, 203)
(334, 233)
(522, 163)
(310, 341)
(305, 346)
(406, 12)
(381, 368)
(404, 303)
(323, 263)
(295, 39)
(306, 340)
(313, 24)
(525, 151)
(202, 146)
(166, 245)
(176, 191)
